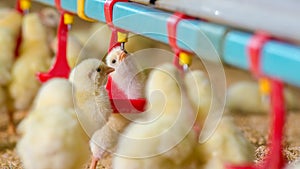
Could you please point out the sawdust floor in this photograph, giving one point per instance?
(254, 127)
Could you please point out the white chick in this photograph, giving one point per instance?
(34, 57)
(128, 77)
(51, 134)
(245, 97)
(226, 146)
(115, 57)
(104, 140)
(165, 141)
(91, 98)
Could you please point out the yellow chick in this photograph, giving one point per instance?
(245, 97)
(52, 136)
(47, 98)
(74, 49)
(164, 138)
(199, 92)
(10, 24)
(11, 20)
(128, 76)
(34, 57)
(90, 95)
(227, 145)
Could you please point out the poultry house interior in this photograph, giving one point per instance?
(69, 121)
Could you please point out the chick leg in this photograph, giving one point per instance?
(94, 162)
(23, 114)
(11, 128)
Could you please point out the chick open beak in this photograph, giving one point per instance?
(109, 70)
(123, 55)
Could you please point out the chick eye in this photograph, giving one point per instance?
(114, 61)
(98, 69)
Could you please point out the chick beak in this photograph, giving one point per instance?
(122, 56)
(109, 70)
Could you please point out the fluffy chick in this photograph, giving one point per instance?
(226, 145)
(7, 54)
(127, 76)
(34, 57)
(90, 95)
(48, 97)
(11, 20)
(10, 24)
(54, 140)
(104, 140)
(74, 49)
(52, 136)
(166, 140)
(199, 92)
(245, 97)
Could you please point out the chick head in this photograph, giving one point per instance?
(50, 17)
(90, 72)
(33, 28)
(115, 57)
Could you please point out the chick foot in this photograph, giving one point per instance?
(94, 162)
